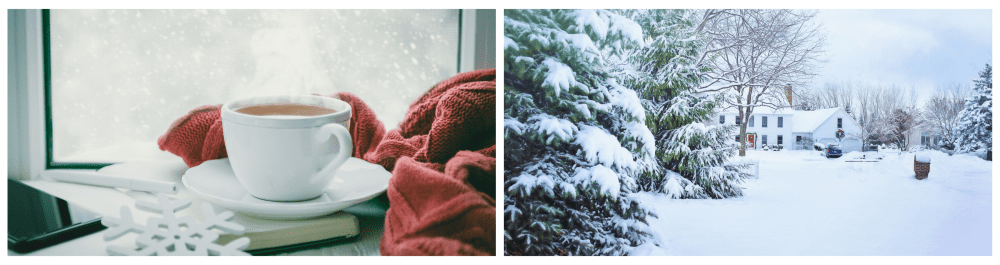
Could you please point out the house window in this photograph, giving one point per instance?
(927, 139)
(763, 139)
(737, 138)
(798, 138)
(779, 136)
(840, 123)
(751, 121)
(763, 122)
(722, 119)
(780, 123)
(119, 78)
(737, 119)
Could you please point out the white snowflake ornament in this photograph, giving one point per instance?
(172, 236)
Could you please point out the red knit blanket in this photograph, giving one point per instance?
(442, 159)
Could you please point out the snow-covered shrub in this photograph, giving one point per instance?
(575, 139)
(976, 120)
(691, 152)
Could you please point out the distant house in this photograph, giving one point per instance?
(797, 129)
(923, 137)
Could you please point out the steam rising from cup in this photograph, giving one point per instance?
(287, 60)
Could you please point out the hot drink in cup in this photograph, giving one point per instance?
(286, 148)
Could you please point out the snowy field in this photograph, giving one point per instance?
(804, 204)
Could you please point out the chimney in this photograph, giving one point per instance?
(788, 93)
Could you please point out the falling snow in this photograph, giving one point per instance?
(161, 64)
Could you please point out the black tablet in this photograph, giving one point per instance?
(36, 219)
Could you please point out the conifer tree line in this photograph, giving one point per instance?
(598, 105)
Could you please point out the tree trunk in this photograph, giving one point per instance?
(743, 140)
(743, 132)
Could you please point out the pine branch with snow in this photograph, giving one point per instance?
(975, 125)
(691, 157)
(575, 139)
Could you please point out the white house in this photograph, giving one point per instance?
(797, 129)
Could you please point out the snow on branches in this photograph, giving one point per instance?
(976, 119)
(575, 139)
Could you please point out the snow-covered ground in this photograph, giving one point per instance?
(804, 204)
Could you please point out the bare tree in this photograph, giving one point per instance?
(806, 99)
(754, 54)
(832, 95)
(891, 113)
(837, 95)
(865, 112)
(940, 112)
(898, 127)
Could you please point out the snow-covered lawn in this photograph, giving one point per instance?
(804, 204)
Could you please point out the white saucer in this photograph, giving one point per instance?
(355, 182)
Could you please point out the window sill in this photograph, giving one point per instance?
(141, 151)
(108, 202)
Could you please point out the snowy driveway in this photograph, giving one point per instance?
(804, 204)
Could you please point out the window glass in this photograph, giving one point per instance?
(779, 136)
(722, 119)
(763, 122)
(751, 121)
(737, 120)
(121, 77)
(840, 123)
(763, 139)
(780, 122)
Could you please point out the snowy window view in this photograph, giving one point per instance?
(763, 122)
(119, 78)
(781, 122)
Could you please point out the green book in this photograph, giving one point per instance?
(268, 237)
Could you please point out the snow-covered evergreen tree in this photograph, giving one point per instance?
(575, 139)
(975, 127)
(692, 156)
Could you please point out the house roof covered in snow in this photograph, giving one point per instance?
(786, 111)
(765, 111)
(808, 121)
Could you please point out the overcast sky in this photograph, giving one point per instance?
(917, 49)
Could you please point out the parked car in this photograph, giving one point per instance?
(819, 146)
(833, 151)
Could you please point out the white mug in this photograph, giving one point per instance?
(287, 157)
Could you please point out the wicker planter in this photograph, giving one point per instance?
(921, 168)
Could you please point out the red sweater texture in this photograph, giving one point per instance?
(442, 158)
